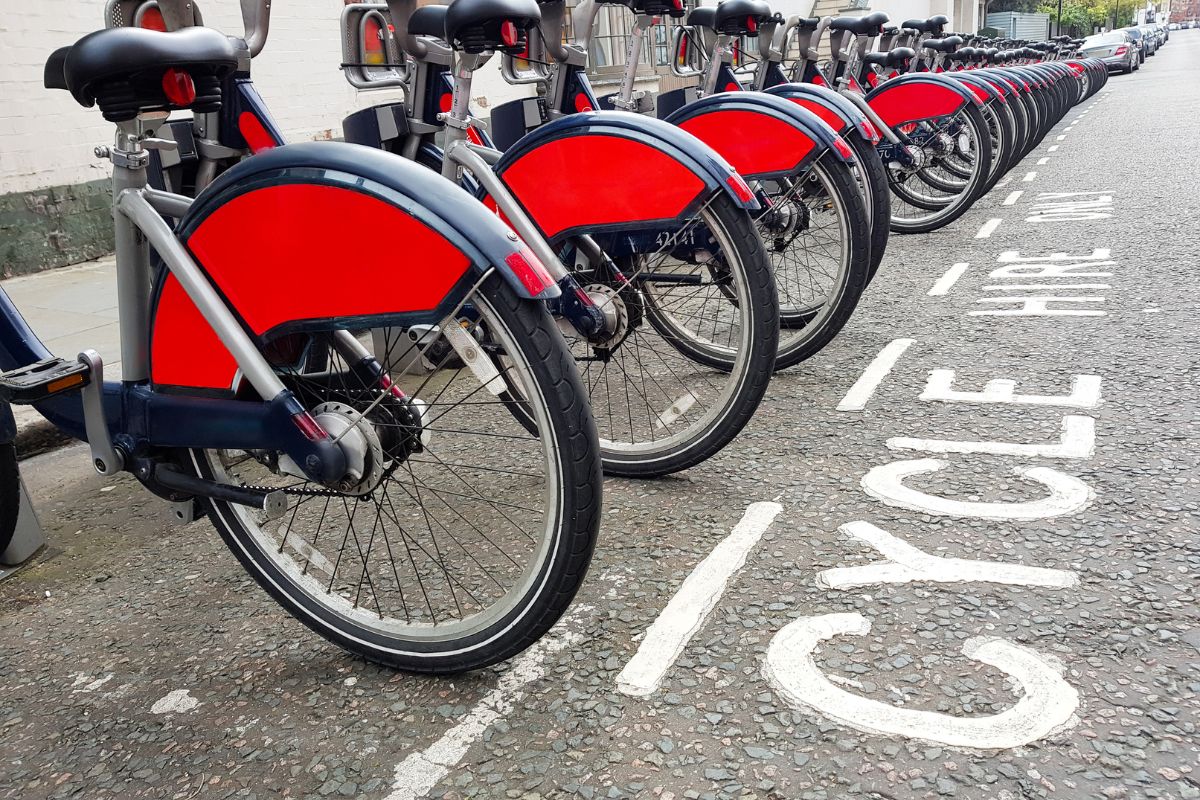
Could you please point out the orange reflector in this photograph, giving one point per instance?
(64, 383)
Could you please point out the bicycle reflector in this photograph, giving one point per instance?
(869, 132)
(152, 20)
(509, 33)
(529, 271)
(373, 42)
(740, 187)
(752, 26)
(177, 85)
(311, 429)
(843, 149)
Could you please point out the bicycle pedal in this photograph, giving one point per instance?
(44, 379)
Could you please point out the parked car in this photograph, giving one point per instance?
(1174, 26)
(1150, 39)
(1139, 41)
(1115, 49)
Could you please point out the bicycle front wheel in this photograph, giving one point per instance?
(467, 532)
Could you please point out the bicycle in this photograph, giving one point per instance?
(410, 519)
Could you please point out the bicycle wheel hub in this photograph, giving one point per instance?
(359, 441)
(616, 315)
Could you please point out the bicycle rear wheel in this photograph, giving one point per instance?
(466, 535)
(818, 236)
(692, 354)
(932, 193)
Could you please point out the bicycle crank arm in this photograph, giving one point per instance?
(274, 503)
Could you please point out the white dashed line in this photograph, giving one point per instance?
(1053, 148)
(689, 608)
(949, 278)
(1012, 198)
(1029, 176)
(860, 393)
(988, 228)
(1061, 137)
(1043, 161)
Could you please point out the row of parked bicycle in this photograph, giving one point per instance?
(393, 394)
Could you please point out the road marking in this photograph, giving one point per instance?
(1012, 198)
(176, 701)
(420, 772)
(1061, 137)
(1053, 147)
(949, 278)
(1038, 307)
(1031, 286)
(1045, 705)
(988, 228)
(1077, 440)
(885, 483)
(690, 606)
(1085, 392)
(906, 564)
(860, 393)
(1041, 162)
(1151, 310)
(1029, 176)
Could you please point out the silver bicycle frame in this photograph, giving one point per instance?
(460, 153)
(138, 226)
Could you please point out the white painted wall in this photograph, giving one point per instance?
(46, 139)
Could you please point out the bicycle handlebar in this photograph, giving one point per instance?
(256, 21)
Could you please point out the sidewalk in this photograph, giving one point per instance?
(70, 309)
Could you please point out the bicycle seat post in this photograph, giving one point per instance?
(637, 37)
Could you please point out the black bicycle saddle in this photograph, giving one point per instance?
(860, 26)
(428, 21)
(741, 17)
(476, 26)
(892, 58)
(808, 23)
(126, 70)
(932, 25)
(946, 45)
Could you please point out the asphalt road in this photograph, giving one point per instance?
(952, 591)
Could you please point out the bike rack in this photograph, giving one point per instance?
(27, 539)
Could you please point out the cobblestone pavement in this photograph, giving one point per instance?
(901, 612)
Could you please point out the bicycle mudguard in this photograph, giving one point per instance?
(611, 170)
(983, 89)
(324, 235)
(762, 135)
(834, 110)
(918, 96)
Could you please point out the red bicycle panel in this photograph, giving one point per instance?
(754, 143)
(900, 102)
(979, 92)
(184, 350)
(595, 179)
(827, 115)
(299, 252)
